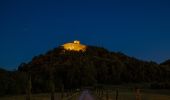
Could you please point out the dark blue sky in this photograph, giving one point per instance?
(139, 28)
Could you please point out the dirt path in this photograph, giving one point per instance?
(86, 96)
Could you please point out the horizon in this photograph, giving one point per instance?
(138, 29)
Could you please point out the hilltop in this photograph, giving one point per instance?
(96, 65)
(91, 66)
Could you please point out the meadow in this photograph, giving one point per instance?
(107, 94)
(43, 96)
(130, 94)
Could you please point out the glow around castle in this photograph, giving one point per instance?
(74, 46)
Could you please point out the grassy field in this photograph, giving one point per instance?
(123, 94)
(44, 96)
(126, 94)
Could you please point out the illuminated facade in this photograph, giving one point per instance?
(75, 46)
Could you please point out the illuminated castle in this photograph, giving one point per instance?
(74, 46)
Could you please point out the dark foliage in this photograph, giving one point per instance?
(12, 82)
(71, 69)
(95, 66)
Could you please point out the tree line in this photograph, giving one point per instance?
(71, 69)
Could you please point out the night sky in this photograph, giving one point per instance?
(138, 28)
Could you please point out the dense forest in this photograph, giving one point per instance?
(72, 69)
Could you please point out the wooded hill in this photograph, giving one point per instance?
(72, 69)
